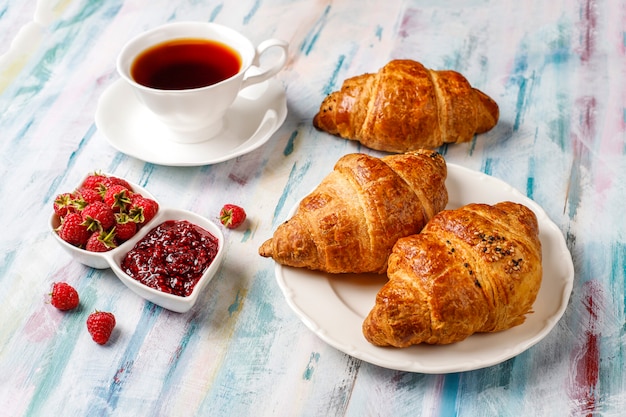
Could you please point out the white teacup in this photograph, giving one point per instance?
(195, 114)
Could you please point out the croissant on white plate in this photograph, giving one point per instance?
(352, 219)
(474, 269)
(406, 106)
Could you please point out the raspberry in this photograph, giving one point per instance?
(64, 296)
(100, 325)
(73, 231)
(232, 216)
(84, 197)
(101, 241)
(98, 216)
(64, 204)
(117, 197)
(125, 228)
(142, 209)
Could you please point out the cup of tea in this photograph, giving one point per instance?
(189, 73)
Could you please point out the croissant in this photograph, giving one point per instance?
(405, 106)
(474, 269)
(350, 222)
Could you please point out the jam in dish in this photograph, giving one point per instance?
(172, 257)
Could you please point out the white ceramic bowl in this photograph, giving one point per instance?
(113, 258)
(96, 259)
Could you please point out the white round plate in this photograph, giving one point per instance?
(132, 129)
(334, 307)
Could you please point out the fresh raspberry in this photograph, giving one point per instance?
(85, 196)
(100, 325)
(97, 216)
(64, 204)
(93, 181)
(64, 296)
(111, 180)
(232, 216)
(142, 209)
(117, 197)
(101, 241)
(125, 227)
(72, 230)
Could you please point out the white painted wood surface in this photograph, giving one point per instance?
(556, 69)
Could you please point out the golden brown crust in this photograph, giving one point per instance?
(350, 222)
(474, 269)
(405, 106)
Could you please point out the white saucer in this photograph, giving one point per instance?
(132, 129)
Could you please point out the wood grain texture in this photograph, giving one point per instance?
(558, 72)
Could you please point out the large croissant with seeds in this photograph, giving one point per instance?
(405, 106)
(350, 222)
(474, 269)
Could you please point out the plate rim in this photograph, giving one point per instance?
(565, 283)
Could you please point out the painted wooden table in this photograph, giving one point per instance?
(558, 71)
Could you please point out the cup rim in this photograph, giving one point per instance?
(151, 37)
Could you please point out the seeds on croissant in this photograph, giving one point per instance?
(494, 246)
(514, 265)
(427, 300)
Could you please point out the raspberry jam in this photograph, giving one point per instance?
(172, 257)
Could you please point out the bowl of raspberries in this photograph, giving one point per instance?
(100, 215)
(164, 255)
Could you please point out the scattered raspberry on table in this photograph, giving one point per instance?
(64, 296)
(100, 325)
(232, 216)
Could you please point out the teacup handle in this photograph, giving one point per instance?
(273, 69)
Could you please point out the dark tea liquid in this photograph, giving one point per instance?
(182, 64)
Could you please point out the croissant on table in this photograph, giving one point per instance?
(350, 222)
(474, 269)
(405, 106)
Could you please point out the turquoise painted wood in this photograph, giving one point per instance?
(557, 70)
